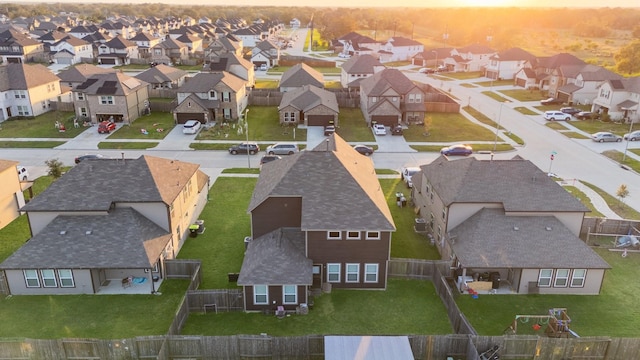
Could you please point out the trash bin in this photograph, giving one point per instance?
(193, 229)
(495, 279)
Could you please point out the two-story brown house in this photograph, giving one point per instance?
(317, 217)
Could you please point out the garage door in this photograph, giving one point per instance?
(108, 61)
(521, 82)
(385, 120)
(319, 120)
(109, 117)
(183, 117)
(64, 61)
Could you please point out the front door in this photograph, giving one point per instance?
(317, 276)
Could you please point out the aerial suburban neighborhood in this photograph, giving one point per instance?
(287, 184)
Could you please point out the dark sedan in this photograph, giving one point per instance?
(457, 150)
(363, 149)
(570, 110)
(586, 115)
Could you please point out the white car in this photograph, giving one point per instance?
(379, 129)
(191, 127)
(556, 115)
(406, 174)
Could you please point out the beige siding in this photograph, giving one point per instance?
(81, 278)
(592, 284)
(11, 198)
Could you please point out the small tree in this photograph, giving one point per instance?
(427, 125)
(622, 192)
(55, 168)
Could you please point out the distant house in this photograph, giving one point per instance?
(223, 45)
(507, 217)
(581, 82)
(544, 68)
(431, 58)
(28, 90)
(145, 42)
(309, 105)
(299, 75)
(211, 97)
(193, 42)
(527, 78)
(16, 47)
(163, 77)
(169, 52)
(76, 75)
(469, 58)
(85, 241)
(388, 97)
(357, 68)
(305, 234)
(619, 99)
(234, 64)
(399, 49)
(117, 51)
(506, 64)
(265, 53)
(111, 96)
(11, 196)
(70, 50)
(357, 44)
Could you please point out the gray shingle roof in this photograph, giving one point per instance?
(302, 74)
(489, 239)
(81, 72)
(379, 83)
(277, 258)
(122, 239)
(517, 184)
(161, 73)
(94, 184)
(122, 84)
(203, 82)
(362, 64)
(24, 77)
(309, 97)
(338, 186)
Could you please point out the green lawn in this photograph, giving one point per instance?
(406, 307)
(616, 205)
(462, 75)
(42, 126)
(584, 199)
(525, 110)
(267, 84)
(574, 135)
(352, 126)
(157, 124)
(613, 313)
(490, 83)
(30, 144)
(264, 125)
(127, 145)
(495, 96)
(617, 156)
(592, 126)
(449, 127)
(522, 95)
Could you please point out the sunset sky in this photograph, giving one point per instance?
(381, 3)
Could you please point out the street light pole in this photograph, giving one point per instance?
(495, 142)
(246, 131)
(435, 68)
(624, 156)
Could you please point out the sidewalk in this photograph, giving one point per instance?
(598, 202)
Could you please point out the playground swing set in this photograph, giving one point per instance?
(556, 323)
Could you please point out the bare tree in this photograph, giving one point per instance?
(622, 192)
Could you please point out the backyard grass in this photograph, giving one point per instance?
(406, 307)
(264, 125)
(267, 84)
(616, 205)
(523, 95)
(525, 110)
(157, 124)
(42, 126)
(613, 313)
(448, 127)
(130, 145)
(617, 157)
(495, 96)
(332, 85)
(30, 144)
(352, 126)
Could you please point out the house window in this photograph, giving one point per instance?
(373, 235)
(544, 279)
(353, 273)
(44, 105)
(412, 98)
(371, 273)
(226, 97)
(48, 278)
(290, 294)
(106, 100)
(227, 113)
(394, 99)
(439, 234)
(31, 278)
(444, 213)
(80, 96)
(577, 278)
(374, 99)
(66, 278)
(334, 235)
(418, 98)
(213, 95)
(353, 235)
(20, 94)
(562, 278)
(260, 296)
(83, 111)
(333, 273)
(23, 110)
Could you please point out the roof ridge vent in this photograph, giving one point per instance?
(63, 232)
(548, 228)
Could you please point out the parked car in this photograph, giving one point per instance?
(23, 173)
(363, 149)
(406, 173)
(605, 136)
(556, 115)
(282, 149)
(106, 127)
(329, 129)
(632, 136)
(243, 148)
(191, 127)
(458, 149)
(584, 115)
(379, 129)
(570, 110)
(264, 67)
(427, 71)
(87, 156)
(344, 56)
(396, 130)
(551, 101)
(269, 158)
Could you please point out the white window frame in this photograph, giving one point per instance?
(83, 111)
(80, 96)
(351, 233)
(334, 273)
(106, 100)
(65, 275)
(264, 294)
(444, 213)
(373, 235)
(213, 95)
(561, 275)
(48, 278)
(31, 274)
(351, 270)
(418, 98)
(580, 278)
(287, 292)
(368, 271)
(543, 276)
(331, 235)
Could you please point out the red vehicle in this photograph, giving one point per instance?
(106, 127)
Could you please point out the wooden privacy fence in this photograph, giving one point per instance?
(223, 300)
(312, 347)
(595, 227)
